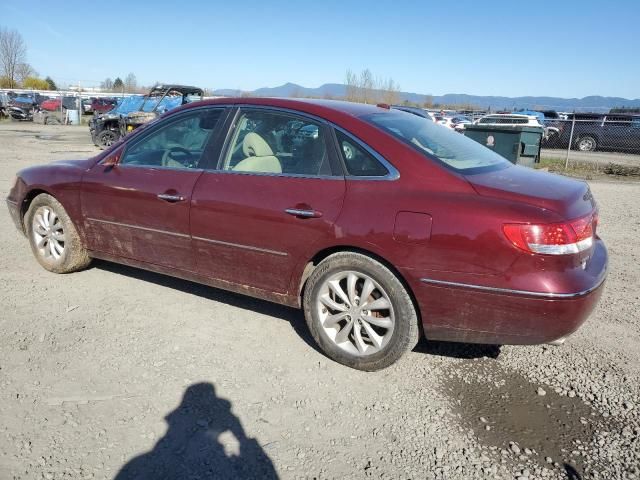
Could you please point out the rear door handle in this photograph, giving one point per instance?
(171, 198)
(303, 213)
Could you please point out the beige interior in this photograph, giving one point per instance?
(260, 157)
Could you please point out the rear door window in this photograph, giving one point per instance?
(275, 142)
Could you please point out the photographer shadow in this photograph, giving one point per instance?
(194, 445)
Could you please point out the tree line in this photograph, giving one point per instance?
(128, 85)
(367, 88)
(15, 71)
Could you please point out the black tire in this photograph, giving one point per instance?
(586, 143)
(405, 333)
(106, 138)
(74, 256)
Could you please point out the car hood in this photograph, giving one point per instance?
(82, 164)
(50, 174)
(568, 197)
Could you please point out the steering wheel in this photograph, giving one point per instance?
(169, 161)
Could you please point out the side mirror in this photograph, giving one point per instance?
(113, 159)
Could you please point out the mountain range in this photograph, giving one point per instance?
(337, 90)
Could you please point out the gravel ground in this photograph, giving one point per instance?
(116, 372)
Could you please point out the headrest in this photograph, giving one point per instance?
(255, 146)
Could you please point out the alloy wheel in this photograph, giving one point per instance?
(107, 138)
(586, 144)
(48, 234)
(355, 312)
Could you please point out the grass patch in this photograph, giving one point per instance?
(588, 170)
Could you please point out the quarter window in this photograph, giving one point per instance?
(180, 144)
(275, 142)
(358, 161)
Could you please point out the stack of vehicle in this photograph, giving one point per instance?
(22, 107)
(135, 111)
(43, 109)
(4, 104)
(98, 105)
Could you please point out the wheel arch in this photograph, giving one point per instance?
(314, 261)
(28, 198)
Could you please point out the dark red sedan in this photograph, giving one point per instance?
(381, 224)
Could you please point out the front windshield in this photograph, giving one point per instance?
(167, 103)
(129, 104)
(451, 148)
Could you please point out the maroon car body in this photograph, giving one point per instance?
(442, 232)
(102, 105)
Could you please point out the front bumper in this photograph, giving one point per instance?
(462, 312)
(14, 212)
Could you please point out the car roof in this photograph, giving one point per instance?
(509, 115)
(178, 88)
(310, 105)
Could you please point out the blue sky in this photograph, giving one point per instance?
(561, 48)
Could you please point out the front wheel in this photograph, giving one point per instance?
(106, 138)
(359, 312)
(53, 236)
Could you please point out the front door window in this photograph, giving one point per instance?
(179, 144)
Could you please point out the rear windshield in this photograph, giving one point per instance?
(451, 148)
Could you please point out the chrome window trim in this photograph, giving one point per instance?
(393, 174)
(138, 227)
(246, 106)
(287, 175)
(160, 167)
(244, 247)
(508, 291)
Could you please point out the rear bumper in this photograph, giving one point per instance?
(463, 312)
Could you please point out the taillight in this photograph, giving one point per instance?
(553, 238)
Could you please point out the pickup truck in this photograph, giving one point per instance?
(611, 132)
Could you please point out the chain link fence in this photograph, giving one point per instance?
(604, 143)
(62, 107)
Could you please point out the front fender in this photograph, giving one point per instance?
(61, 180)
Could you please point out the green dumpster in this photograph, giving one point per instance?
(518, 144)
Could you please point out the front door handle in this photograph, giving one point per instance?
(303, 213)
(171, 198)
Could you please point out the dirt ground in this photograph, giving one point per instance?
(119, 373)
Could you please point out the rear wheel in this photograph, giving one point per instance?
(53, 237)
(106, 138)
(359, 312)
(586, 143)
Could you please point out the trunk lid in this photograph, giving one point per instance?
(567, 197)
